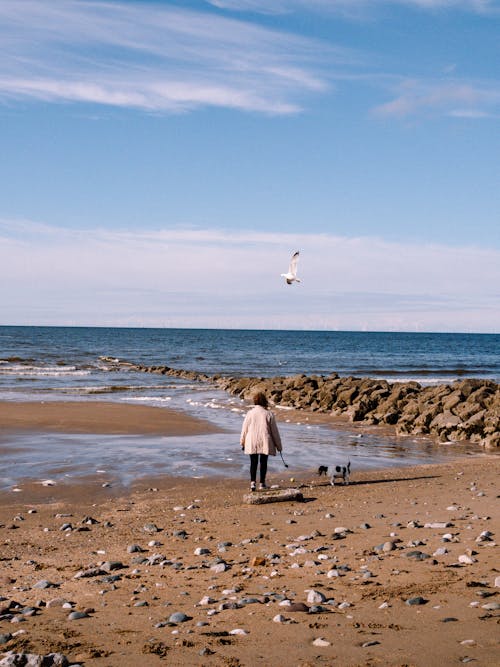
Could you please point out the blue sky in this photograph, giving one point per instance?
(162, 160)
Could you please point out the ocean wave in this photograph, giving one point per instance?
(42, 371)
(425, 372)
(150, 399)
(107, 389)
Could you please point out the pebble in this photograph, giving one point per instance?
(279, 618)
(77, 615)
(321, 642)
(33, 660)
(151, 528)
(441, 551)
(491, 606)
(315, 597)
(219, 568)
(417, 555)
(178, 617)
(416, 601)
(134, 548)
(238, 631)
(466, 559)
(438, 524)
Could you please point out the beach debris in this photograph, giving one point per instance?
(273, 496)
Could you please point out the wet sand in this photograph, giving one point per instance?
(100, 417)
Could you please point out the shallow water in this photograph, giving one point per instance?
(57, 363)
(125, 459)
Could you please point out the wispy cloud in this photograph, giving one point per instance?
(353, 8)
(153, 57)
(212, 277)
(455, 98)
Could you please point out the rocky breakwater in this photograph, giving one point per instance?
(466, 409)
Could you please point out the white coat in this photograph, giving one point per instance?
(259, 433)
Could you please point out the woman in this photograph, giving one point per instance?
(259, 438)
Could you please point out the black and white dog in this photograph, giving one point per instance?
(339, 472)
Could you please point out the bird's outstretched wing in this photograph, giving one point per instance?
(293, 263)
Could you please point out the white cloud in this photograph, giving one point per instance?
(454, 98)
(153, 57)
(189, 277)
(353, 8)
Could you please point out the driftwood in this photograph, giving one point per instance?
(272, 496)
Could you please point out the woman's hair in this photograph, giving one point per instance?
(260, 399)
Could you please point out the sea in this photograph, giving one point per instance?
(68, 364)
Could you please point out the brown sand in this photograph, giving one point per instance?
(450, 628)
(100, 417)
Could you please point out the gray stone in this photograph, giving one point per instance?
(44, 583)
(178, 617)
(77, 615)
(151, 528)
(416, 601)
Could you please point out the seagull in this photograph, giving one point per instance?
(291, 276)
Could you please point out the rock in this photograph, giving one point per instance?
(417, 555)
(257, 561)
(77, 615)
(43, 583)
(491, 606)
(321, 642)
(150, 528)
(465, 559)
(315, 597)
(297, 606)
(178, 617)
(416, 601)
(110, 565)
(134, 548)
(438, 524)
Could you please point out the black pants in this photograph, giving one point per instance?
(254, 460)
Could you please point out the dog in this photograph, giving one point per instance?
(340, 473)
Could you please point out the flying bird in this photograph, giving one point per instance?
(291, 276)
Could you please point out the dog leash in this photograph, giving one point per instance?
(285, 464)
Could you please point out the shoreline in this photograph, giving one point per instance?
(226, 566)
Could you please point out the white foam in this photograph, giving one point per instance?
(45, 371)
(150, 399)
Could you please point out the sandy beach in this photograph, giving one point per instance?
(99, 417)
(399, 568)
